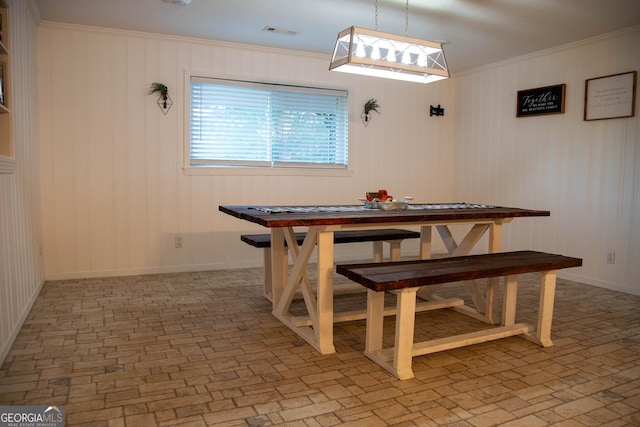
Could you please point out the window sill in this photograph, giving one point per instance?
(239, 171)
(7, 165)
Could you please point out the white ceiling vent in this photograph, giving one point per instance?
(179, 2)
(272, 29)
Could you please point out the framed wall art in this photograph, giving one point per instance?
(610, 97)
(542, 100)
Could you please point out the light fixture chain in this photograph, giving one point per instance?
(406, 19)
(376, 15)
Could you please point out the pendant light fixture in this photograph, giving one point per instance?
(375, 53)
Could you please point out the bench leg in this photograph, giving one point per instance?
(545, 309)
(510, 299)
(405, 325)
(394, 249)
(542, 334)
(396, 360)
(377, 251)
(375, 320)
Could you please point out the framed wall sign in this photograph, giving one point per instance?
(542, 100)
(610, 97)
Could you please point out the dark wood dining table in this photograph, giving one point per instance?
(321, 222)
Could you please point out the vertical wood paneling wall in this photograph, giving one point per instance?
(115, 197)
(99, 183)
(21, 271)
(586, 173)
(114, 193)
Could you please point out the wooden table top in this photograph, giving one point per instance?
(291, 216)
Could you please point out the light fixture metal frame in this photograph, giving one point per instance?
(346, 59)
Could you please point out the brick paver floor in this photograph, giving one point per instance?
(202, 349)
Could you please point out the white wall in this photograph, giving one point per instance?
(114, 193)
(587, 173)
(21, 272)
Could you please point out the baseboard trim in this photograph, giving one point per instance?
(133, 271)
(16, 330)
(599, 283)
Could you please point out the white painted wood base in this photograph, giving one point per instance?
(378, 256)
(398, 359)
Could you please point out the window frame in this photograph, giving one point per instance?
(209, 169)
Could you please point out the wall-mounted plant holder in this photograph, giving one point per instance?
(165, 104)
(436, 111)
(164, 100)
(369, 106)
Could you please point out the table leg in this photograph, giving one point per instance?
(320, 308)
(268, 275)
(279, 265)
(425, 242)
(484, 304)
(325, 292)
(458, 249)
(298, 273)
(426, 292)
(467, 243)
(495, 245)
(495, 237)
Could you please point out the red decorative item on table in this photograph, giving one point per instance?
(380, 195)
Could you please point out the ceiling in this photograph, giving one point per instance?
(477, 32)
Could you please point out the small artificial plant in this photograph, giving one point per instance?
(370, 105)
(162, 89)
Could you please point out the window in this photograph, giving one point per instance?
(239, 123)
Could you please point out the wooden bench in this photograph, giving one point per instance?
(393, 236)
(405, 278)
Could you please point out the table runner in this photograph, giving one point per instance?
(312, 209)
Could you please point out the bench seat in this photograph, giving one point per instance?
(405, 278)
(393, 236)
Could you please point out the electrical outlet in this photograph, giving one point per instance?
(611, 257)
(178, 242)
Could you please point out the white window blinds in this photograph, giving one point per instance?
(258, 124)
